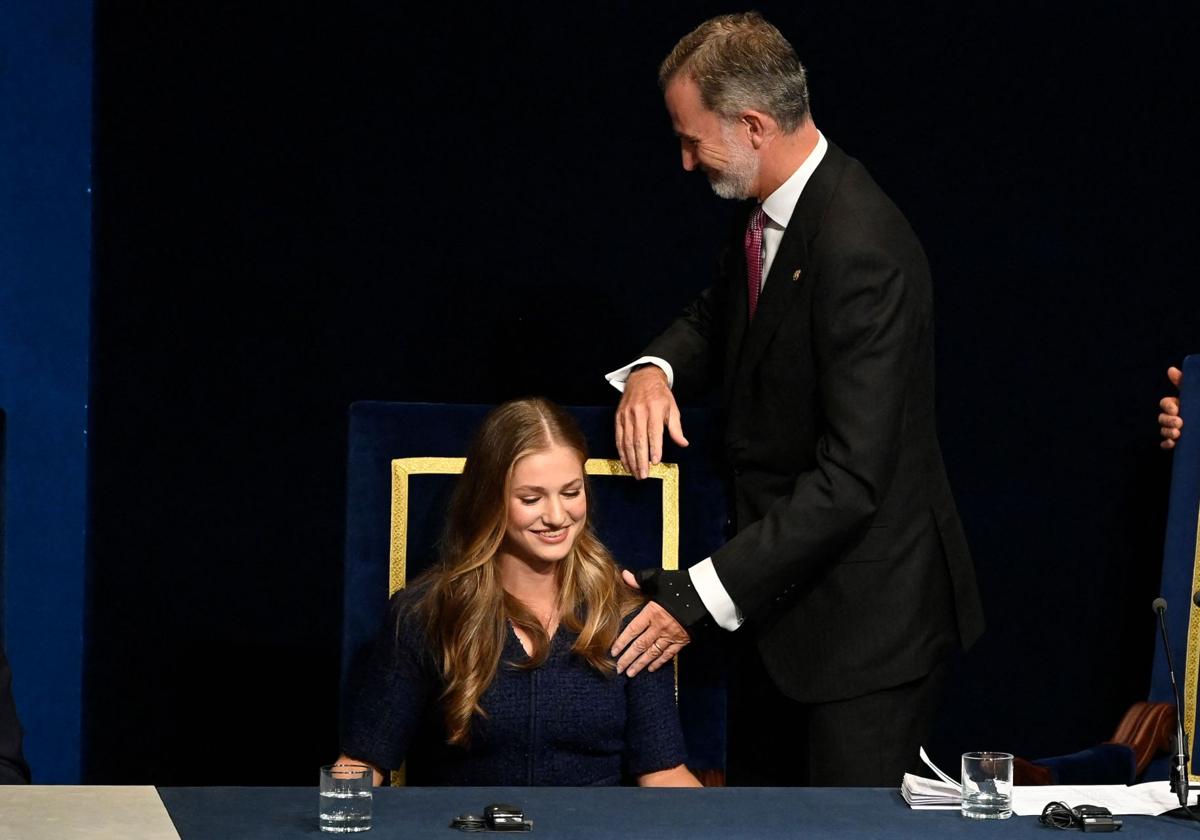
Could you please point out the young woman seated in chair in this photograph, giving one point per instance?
(494, 666)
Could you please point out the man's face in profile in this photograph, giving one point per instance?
(711, 144)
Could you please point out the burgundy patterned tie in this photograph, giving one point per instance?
(754, 234)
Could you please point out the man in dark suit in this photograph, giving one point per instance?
(848, 580)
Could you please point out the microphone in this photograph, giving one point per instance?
(1179, 761)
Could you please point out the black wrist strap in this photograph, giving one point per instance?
(673, 591)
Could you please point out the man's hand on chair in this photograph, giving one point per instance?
(1169, 422)
(646, 407)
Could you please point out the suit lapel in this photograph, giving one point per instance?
(790, 268)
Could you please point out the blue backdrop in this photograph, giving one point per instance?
(45, 293)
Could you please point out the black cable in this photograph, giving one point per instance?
(469, 822)
(1084, 817)
(1057, 815)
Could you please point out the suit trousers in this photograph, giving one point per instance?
(866, 741)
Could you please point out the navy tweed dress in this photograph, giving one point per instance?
(563, 723)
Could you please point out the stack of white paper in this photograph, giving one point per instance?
(922, 793)
(928, 794)
(1150, 798)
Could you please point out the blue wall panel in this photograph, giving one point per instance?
(45, 283)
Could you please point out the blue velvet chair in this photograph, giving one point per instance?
(403, 458)
(1181, 569)
(1140, 745)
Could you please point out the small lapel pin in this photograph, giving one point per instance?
(796, 275)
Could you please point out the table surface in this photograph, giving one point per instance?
(240, 813)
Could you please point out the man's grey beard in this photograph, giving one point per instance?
(737, 179)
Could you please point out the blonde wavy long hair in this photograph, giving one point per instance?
(465, 609)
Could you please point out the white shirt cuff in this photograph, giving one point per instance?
(712, 593)
(617, 377)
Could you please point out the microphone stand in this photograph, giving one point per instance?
(1180, 761)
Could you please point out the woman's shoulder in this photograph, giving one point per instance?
(409, 596)
(406, 611)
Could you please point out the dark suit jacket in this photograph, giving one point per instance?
(849, 560)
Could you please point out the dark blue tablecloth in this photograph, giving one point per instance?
(627, 813)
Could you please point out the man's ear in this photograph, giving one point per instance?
(757, 125)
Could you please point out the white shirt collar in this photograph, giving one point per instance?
(780, 204)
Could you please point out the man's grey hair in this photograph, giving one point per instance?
(741, 62)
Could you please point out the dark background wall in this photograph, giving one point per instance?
(300, 205)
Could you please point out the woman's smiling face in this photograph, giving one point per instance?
(547, 505)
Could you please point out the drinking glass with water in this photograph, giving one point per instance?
(987, 782)
(345, 800)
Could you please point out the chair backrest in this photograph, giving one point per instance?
(1181, 564)
(403, 459)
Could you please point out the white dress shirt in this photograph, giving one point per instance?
(778, 208)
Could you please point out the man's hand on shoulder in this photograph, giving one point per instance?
(1169, 422)
(660, 630)
(646, 407)
(650, 641)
